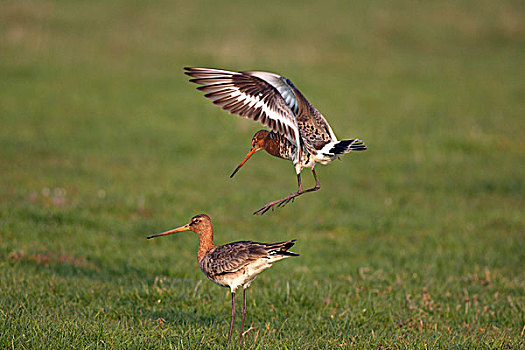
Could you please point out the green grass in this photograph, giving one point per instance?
(417, 243)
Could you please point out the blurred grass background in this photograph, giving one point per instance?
(416, 243)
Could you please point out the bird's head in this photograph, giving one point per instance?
(199, 224)
(258, 142)
(259, 139)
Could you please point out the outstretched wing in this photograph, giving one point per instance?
(260, 96)
(315, 130)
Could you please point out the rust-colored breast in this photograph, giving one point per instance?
(279, 146)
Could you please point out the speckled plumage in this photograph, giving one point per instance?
(275, 102)
(286, 149)
(235, 264)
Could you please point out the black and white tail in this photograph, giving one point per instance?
(281, 248)
(342, 147)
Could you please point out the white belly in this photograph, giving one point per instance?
(244, 276)
(309, 160)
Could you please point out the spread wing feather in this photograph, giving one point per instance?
(315, 130)
(260, 96)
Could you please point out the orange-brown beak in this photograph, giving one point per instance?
(175, 230)
(252, 151)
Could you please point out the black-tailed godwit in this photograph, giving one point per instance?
(276, 103)
(235, 264)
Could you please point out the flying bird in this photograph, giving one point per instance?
(235, 264)
(298, 131)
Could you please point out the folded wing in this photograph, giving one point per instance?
(231, 257)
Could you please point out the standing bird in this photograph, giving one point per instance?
(234, 264)
(299, 132)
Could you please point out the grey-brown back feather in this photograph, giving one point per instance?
(315, 130)
(231, 257)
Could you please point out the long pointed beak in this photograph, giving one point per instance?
(175, 230)
(252, 151)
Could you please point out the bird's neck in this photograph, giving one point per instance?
(205, 244)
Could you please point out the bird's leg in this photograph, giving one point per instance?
(233, 317)
(292, 197)
(299, 184)
(243, 312)
(301, 191)
(317, 184)
(268, 206)
(283, 201)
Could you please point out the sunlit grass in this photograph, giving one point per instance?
(415, 243)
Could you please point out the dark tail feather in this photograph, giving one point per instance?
(345, 146)
(281, 248)
(287, 253)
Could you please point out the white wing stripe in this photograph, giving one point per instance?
(244, 94)
(230, 99)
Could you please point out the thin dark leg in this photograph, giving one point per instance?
(243, 312)
(233, 317)
(283, 201)
(317, 184)
(300, 191)
(299, 185)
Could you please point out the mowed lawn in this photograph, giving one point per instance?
(417, 243)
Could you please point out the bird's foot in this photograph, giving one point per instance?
(286, 201)
(280, 203)
(263, 209)
(283, 201)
